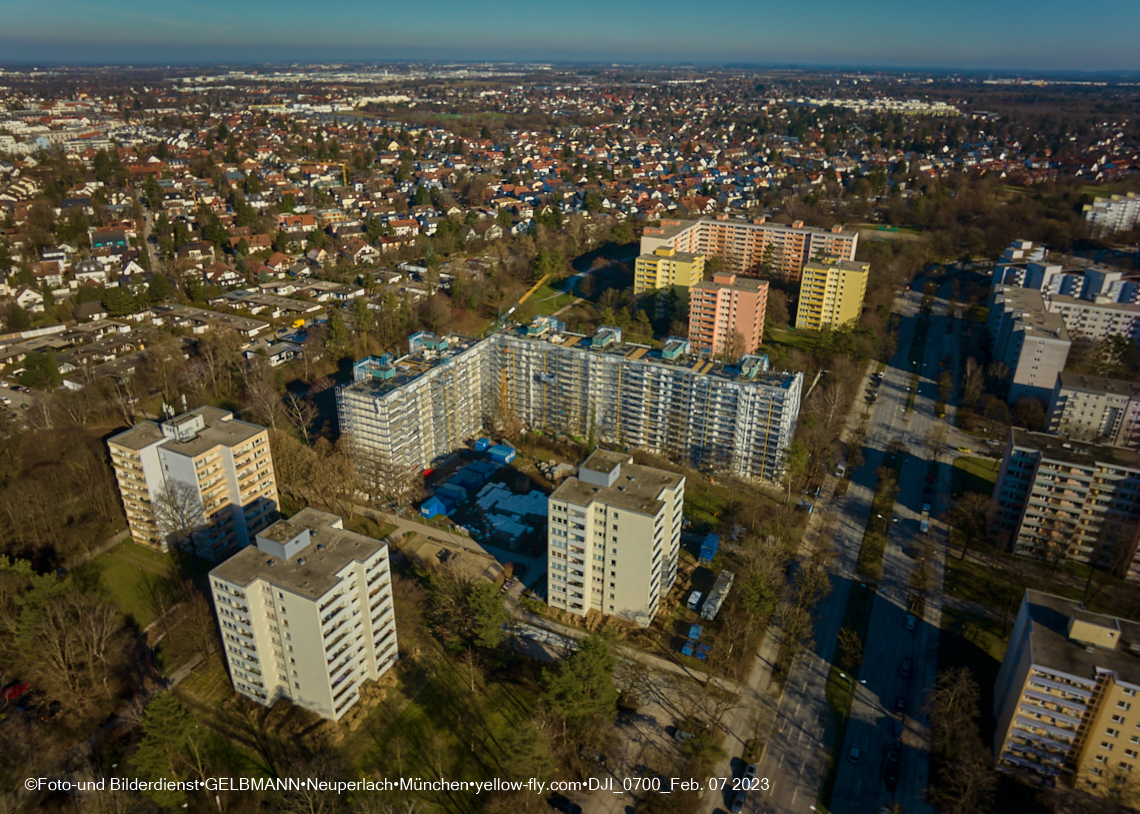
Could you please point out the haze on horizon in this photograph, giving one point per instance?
(1016, 35)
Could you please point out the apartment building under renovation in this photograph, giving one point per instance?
(404, 413)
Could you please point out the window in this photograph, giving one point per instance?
(1124, 705)
(1118, 719)
(1130, 753)
(1125, 767)
(1112, 733)
(1106, 746)
(1101, 758)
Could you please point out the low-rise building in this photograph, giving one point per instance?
(1065, 699)
(614, 538)
(307, 614)
(1063, 501)
(1093, 408)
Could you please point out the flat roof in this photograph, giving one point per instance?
(1099, 384)
(604, 460)
(1076, 453)
(636, 489)
(311, 572)
(220, 430)
(1052, 648)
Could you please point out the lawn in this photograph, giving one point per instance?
(443, 729)
(124, 569)
(546, 300)
(974, 475)
(369, 527)
(793, 338)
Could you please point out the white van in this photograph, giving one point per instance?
(924, 526)
(841, 469)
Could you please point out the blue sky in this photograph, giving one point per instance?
(969, 34)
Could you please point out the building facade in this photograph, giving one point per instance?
(1097, 320)
(752, 248)
(202, 480)
(666, 268)
(614, 537)
(1069, 501)
(1033, 343)
(831, 293)
(1117, 213)
(404, 413)
(726, 315)
(307, 614)
(1065, 699)
(1093, 408)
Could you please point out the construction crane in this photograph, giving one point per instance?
(343, 167)
(503, 317)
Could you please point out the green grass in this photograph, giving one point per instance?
(445, 726)
(792, 338)
(124, 570)
(974, 475)
(979, 313)
(546, 300)
(369, 527)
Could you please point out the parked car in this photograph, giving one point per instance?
(891, 775)
(682, 736)
(854, 754)
(750, 771)
(911, 622)
(905, 667)
(964, 450)
(900, 705)
(738, 802)
(15, 690)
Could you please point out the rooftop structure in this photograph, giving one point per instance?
(1065, 696)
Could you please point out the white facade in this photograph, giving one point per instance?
(307, 615)
(1034, 344)
(1097, 320)
(203, 469)
(614, 537)
(1118, 213)
(1093, 407)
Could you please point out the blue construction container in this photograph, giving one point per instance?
(481, 444)
(709, 548)
(500, 454)
(451, 492)
(695, 632)
(435, 506)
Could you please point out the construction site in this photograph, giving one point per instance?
(404, 413)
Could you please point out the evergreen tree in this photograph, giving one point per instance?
(583, 685)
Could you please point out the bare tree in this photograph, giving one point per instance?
(301, 413)
(973, 381)
(261, 393)
(179, 514)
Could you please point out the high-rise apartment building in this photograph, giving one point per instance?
(1097, 320)
(754, 248)
(666, 268)
(202, 480)
(307, 614)
(831, 293)
(1032, 342)
(1117, 213)
(1066, 500)
(403, 413)
(1065, 699)
(726, 315)
(1093, 408)
(614, 538)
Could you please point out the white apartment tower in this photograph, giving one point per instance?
(203, 473)
(614, 536)
(307, 615)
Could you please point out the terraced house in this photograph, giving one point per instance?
(202, 480)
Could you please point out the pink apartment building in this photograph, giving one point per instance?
(724, 307)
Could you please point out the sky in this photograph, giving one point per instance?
(1010, 35)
